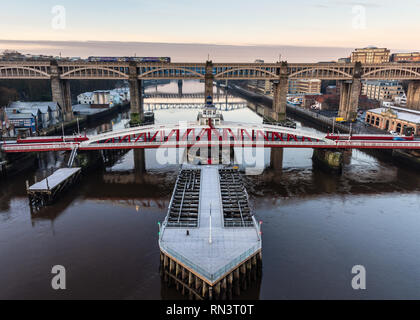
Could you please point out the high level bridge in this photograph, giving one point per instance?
(351, 76)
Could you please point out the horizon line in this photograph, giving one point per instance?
(195, 43)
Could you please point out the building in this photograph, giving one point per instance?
(46, 114)
(305, 86)
(366, 104)
(370, 55)
(332, 90)
(104, 98)
(344, 60)
(321, 102)
(101, 97)
(382, 90)
(85, 98)
(400, 120)
(23, 122)
(401, 100)
(120, 95)
(406, 57)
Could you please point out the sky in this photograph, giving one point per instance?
(262, 23)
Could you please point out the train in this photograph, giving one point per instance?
(129, 59)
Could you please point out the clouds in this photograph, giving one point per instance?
(262, 22)
(350, 3)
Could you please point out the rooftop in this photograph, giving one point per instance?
(86, 109)
(409, 115)
(12, 116)
(42, 106)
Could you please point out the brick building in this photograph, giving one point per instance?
(396, 119)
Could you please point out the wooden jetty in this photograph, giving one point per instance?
(210, 243)
(46, 191)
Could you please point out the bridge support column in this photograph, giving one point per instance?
(209, 79)
(61, 93)
(280, 88)
(136, 95)
(413, 95)
(180, 83)
(276, 161)
(349, 95)
(139, 162)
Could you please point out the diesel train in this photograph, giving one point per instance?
(129, 59)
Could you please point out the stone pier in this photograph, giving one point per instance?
(61, 93)
(276, 161)
(209, 79)
(413, 95)
(180, 84)
(328, 160)
(280, 89)
(136, 95)
(349, 95)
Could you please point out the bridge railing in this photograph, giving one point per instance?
(39, 146)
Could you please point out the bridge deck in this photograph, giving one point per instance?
(211, 250)
(228, 134)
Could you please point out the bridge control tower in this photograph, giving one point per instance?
(210, 116)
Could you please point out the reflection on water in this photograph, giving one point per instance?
(316, 226)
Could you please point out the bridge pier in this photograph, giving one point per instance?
(208, 81)
(349, 95)
(136, 95)
(139, 162)
(413, 95)
(61, 93)
(276, 161)
(180, 84)
(280, 88)
(328, 160)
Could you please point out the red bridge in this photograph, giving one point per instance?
(193, 135)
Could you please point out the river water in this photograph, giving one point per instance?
(316, 227)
